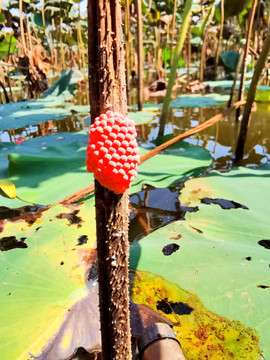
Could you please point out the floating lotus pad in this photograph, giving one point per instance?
(195, 100)
(142, 117)
(51, 106)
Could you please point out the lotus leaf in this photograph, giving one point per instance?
(263, 95)
(48, 175)
(195, 100)
(147, 107)
(52, 105)
(8, 188)
(223, 248)
(8, 46)
(42, 273)
(172, 165)
(4, 149)
(142, 117)
(202, 334)
(230, 59)
(227, 84)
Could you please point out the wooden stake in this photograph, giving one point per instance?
(107, 89)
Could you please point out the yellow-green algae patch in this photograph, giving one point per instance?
(202, 334)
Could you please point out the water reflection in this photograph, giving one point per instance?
(70, 124)
(153, 208)
(220, 139)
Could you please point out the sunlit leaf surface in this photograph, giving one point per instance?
(41, 272)
(8, 188)
(223, 249)
(45, 173)
(202, 334)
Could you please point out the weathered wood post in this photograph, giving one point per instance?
(107, 87)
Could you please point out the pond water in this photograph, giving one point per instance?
(220, 139)
(153, 208)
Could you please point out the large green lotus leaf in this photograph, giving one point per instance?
(219, 257)
(36, 19)
(64, 87)
(48, 175)
(52, 105)
(202, 334)
(41, 273)
(45, 173)
(4, 149)
(196, 100)
(8, 46)
(36, 145)
(173, 164)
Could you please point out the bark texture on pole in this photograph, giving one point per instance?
(107, 87)
(251, 96)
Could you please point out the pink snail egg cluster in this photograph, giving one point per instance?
(113, 152)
